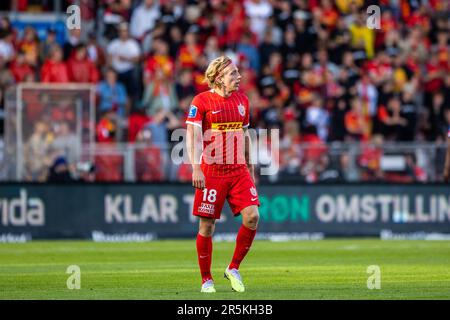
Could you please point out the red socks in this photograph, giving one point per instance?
(204, 253)
(244, 241)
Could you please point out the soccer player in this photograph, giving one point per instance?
(218, 145)
(447, 158)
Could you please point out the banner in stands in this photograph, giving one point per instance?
(139, 212)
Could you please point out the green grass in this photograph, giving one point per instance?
(328, 269)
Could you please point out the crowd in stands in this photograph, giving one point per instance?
(311, 68)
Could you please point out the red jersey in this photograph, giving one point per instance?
(222, 121)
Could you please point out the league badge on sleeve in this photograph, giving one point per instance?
(192, 112)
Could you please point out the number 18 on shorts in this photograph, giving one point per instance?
(239, 191)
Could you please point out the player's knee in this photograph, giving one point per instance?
(207, 227)
(251, 218)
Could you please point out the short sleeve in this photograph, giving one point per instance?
(111, 47)
(196, 112)
(246, 122)
(135, 50)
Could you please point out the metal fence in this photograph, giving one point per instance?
(397, 163)
(131, 162)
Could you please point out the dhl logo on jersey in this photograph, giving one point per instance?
(227, 126)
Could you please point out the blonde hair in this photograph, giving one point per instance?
(215, 69)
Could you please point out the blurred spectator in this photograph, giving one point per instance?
(63, 110)
(184, 85)
(54, 69)
(6, 79)
(369, 159)
(159, 93)
(161, 122)
(80, 68)
(30, 46)
(289, 49)
(318, 116)
(327, 170)
(149, 159)
(368, 95)
(189, 51)
(72, 42)
(258, 11)
(106, 130)
(437, 118)
(266, 48)
(212, 49)
(66, 142)
(112, 94)
(59, 171)
(175, 41)
(348, 169)
(249, 50)
(414, 171)
(363, 38)
(159, 59)
(37, 153)
(5, 25)
(310, 68)
(409, 111)
(46, 45)
(19, 68)
(116, 12)
(290, 152)
(7, 51)
(393, 120)
(124, 54)
(357, 122)
(337, 121)
(136, 121)
(85, 172)
(95, 52)
(143, 19)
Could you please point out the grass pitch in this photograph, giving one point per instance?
(327, 269)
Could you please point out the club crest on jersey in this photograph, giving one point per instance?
(241, 110)
(192, 112)
(253, 191)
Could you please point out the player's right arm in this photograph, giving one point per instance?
(194, 142)
(447, 159)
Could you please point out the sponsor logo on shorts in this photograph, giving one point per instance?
(206, 208)
(227, 126)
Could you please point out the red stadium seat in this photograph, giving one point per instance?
(185, 172)
(149, 164)
(109, 168)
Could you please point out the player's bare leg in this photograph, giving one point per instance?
(204, 252)
(244, 240)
